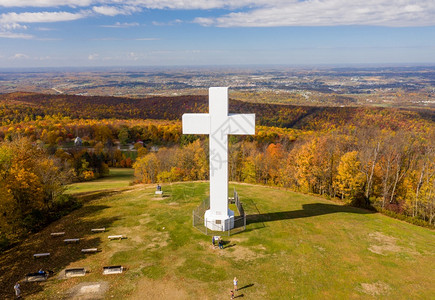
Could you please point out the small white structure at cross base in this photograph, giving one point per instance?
(219, 124)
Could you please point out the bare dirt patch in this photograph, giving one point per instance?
(241, 253)
(151, 289)
(383, 244)
(160, 239)
(236, 252)
(375, 289)
(238, 239)
(157, 198)
(88, 290)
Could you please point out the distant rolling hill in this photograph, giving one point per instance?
(19, 105)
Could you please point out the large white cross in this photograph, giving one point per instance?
(219, 124)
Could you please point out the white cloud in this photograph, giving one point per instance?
(13, 35)
(12, 26)
(152, 4)
(42, 58)
(114, 11)
(205, 21)
(44, 3)
(46, 29)
(203, 4)
(19, 56)
(121, 25)
(170, 23)
(132, 56)
(39, 17)
(11, 21)
(244, 13)
(331, 13)
(7, 28)
(93, 56)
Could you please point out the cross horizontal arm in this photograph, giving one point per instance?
(242, 124)
(196, 123)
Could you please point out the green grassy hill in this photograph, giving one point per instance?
(118, 178)
(295, 247)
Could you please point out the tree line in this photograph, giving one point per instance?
(56, 131)
(365, 167)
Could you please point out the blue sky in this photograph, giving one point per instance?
(58, 33)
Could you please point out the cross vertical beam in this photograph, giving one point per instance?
(218, 146)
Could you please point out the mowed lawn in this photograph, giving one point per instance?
(295, 247)
(117, 178)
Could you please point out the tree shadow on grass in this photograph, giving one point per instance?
(18, 261)
(308, 210)
(92, 195)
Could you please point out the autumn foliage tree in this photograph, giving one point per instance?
(349, 180)
(31, 186)
(177, 164)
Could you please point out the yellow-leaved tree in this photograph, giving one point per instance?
(349, 180)
(31, 183)
(146, 168)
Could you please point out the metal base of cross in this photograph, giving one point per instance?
(219, 222)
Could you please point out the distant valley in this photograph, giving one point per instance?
(362, 86)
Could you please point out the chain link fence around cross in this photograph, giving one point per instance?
(200, 223)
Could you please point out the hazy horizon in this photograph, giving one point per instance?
(248, 67)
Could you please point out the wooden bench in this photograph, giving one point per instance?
(71, 241)
(112, 270)
(55, 234)
(75, 272)
(159, 192)
(98, 229)
(39, 255)
(37, 276)
(117, 237)
(90, 250)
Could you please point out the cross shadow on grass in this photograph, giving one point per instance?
(308, 210)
